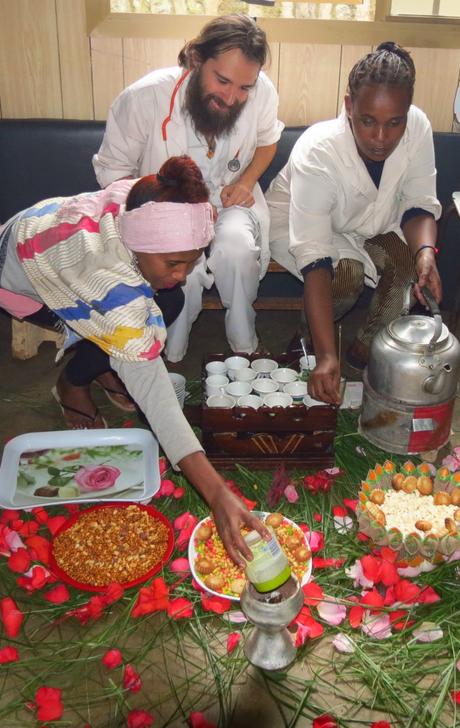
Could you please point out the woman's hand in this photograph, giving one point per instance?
(324, 381)
(230, 514)
(427, 275)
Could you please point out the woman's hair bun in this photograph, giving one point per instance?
(392, 47)
(389, 45)
(184, 175)
(178, 180)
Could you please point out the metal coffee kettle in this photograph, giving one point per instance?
(415, 358)
(410, 382)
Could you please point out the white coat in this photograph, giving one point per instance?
(133, 144)
(324, 203)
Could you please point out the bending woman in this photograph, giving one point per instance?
(96, 261)
(356, 204)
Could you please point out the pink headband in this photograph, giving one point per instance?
(167, 227)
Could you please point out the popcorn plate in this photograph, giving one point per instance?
(153, 512)
(52, 468)
(192, 555)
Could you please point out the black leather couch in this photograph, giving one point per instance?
(42, 158)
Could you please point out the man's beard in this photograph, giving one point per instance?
(205, 120)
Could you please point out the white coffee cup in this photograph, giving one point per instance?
(244, 375)
(215, 367)
(264, 367)
(283, 375)
(306, 364)
(265, 386)
(250, 400)
(234, 363)
(277, 399)
(297, 390)
(238, 389)
(215, 384)
(221, 400)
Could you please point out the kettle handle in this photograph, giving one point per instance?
(435, 311)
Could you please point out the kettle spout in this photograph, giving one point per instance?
(435, 383)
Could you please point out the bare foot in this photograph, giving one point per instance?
(116, 391)
(77, 406)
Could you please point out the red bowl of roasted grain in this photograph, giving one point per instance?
(123, 543)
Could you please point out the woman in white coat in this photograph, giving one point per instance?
(356, 204)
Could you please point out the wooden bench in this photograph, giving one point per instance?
(27, 337)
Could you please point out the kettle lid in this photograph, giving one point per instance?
(418, 330)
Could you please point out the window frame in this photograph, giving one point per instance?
(413, 31)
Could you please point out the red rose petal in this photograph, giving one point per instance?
(49, 704)
(57, 595)
(131, 679)
(55, 523)
(8, 654)
(312, 593)
(219, 605)
(180, 608)
(325, 721)
(139, 719)
(40, 548)
(112, 659)
(19, 561)
(11, 616)
(197, 720)
(232, 641)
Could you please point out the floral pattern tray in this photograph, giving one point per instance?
(50, 468)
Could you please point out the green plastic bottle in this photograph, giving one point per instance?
(269, 567)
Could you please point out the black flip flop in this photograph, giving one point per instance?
(109, 392)
(64, 407)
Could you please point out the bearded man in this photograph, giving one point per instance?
(218, 107)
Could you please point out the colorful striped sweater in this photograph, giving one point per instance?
(72, 253)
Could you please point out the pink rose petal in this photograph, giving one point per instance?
(235, 616)
(376, 626)
(343, 643)
(355, 572)
(291, 494)
(428, 632)
(180, 565)
(331, 611)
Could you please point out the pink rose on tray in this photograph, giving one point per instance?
(96, 477)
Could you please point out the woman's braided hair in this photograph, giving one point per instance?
(389, 65)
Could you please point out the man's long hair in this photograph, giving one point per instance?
(224, 34)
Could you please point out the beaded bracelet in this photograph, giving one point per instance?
(422, 247)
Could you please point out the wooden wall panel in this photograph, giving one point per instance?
(107, 65)
(75, 60)
(308, 82)
(349, 56)
(436, 82)
(142, 55)
(30, 81)
(272, 69)
(50, 68)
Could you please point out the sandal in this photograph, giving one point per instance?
(111, 395)
(65, 407)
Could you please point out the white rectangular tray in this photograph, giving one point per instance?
(135, 459)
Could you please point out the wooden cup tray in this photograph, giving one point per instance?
(296, 436)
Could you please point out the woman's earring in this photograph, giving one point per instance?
(135, 265)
